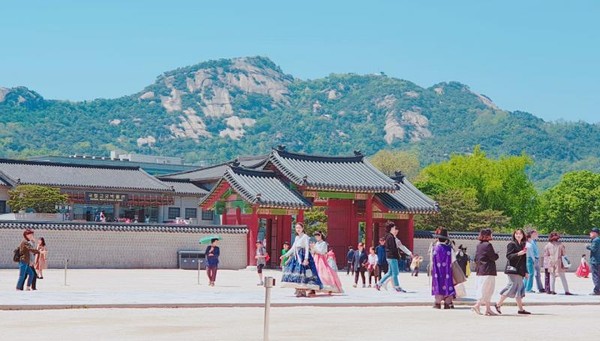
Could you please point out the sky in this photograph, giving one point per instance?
(542, 57)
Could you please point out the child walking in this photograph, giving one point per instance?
(415, 264)
(372, 266)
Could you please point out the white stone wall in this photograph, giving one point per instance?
(122, 249)
(574, 250)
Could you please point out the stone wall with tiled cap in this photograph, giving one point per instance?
(120, 246)
(575, 246)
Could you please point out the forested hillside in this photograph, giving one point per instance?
(217, 110)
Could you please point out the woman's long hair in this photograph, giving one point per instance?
(523, 240)
(42, 242)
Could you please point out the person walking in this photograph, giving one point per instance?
(331, 259)
(554, 251)
(463, 259)
(392, 256)
(594, 248)
(442, 286)
(25, 268)
(516, 269)
(329, 278)
(381, 259)
(284, 250)
(41, 259)
(372, 266)
(300, 272)
(360, 264)
(415, 264)
(485, 260)
(212, 261)
(261, 261)
(535, 252)
(350, 261)
(583, 270)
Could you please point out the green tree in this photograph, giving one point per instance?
(42, 199)
(391, 161)
(315, 219)
(460, 211)
(499, 185)
(573, 205)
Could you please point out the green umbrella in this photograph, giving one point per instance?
(207, 239)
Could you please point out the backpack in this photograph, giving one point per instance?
(17, 255)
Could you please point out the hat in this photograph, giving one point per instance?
(595, 229)
(461, 247)
(441, 233)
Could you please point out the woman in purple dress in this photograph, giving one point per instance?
(442, 286)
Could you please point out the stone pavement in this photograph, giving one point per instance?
(170, 288)
(233, 310)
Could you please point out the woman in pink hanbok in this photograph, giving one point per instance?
(584, 269)
(329, 277)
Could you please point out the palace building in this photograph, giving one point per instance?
(268, 193)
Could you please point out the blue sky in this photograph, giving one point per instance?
(537, 56)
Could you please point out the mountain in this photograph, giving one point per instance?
(217, 110)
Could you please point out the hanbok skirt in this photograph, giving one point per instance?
(329, 277)
(583, 270)
(298, 276)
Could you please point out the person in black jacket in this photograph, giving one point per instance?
(359, 264)
(485, 260)
(391, 253)
(516, 270)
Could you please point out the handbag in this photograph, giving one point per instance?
(511, 270)
(566, 263)
(458, 276)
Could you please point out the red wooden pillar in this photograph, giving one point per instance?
(252, 235)
(300, 217)
(410, 233)
(369, 222)
(238, 216)
(224, 217)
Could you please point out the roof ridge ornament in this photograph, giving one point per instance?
(358, 153)
(281, 148)
(235, 163)
(258, 198)
(398, 177)
(305, 180)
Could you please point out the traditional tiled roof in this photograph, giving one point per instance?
(351, 174)
(137, 227)
(85, 176)
(259, 187)
(214, 173)
(185, 187)
(407, 199)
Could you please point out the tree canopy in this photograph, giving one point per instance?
(497, 185)
(41, 199)
(573, 205)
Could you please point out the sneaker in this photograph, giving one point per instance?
(523, 312)
(260, 283)
(378, 287)
(369, 285)
(399, 289)
(354, 285)
(364, 286)
(568, 293)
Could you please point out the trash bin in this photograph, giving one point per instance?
(189, 260)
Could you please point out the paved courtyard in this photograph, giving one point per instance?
(138, 304)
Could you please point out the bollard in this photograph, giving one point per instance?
(269, 284)
(66, 263)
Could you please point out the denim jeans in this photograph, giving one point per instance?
(538, 275)
(393, 272)
(596, 277)
(531, 271)
(24, 269)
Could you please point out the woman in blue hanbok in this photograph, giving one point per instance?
(300, 272)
